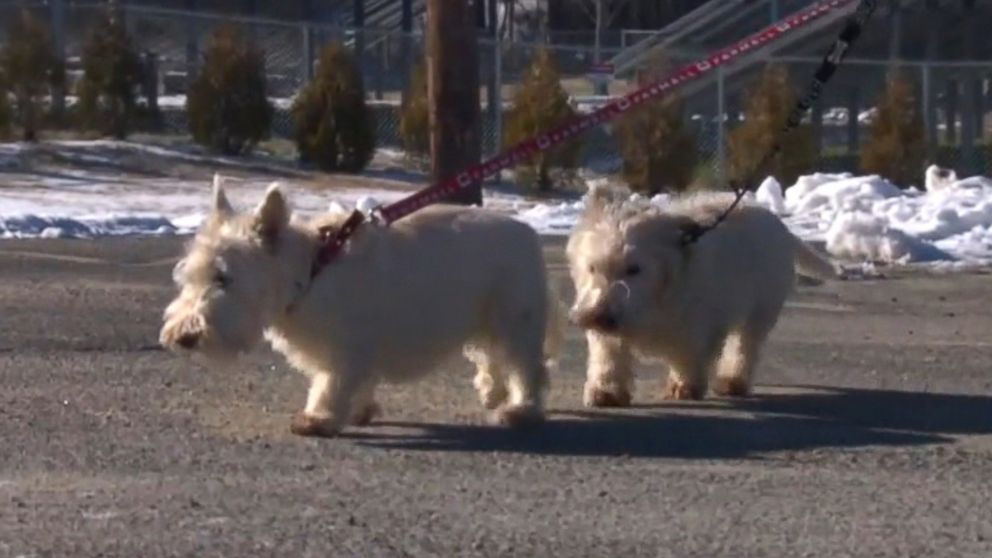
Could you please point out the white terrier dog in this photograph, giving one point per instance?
(395, 303)
(706, 307)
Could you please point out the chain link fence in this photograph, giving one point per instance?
(952, 99)
(955, 97)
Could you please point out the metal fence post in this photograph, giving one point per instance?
(379, 65)
(58, 36)
(978, 102)
(192, 43)
(498, 98)
(951, 111)
(152, 81)
(721, 129)
(407, 60)
(358, 21)
(895, 38)
(602, 87)
(306, 73)
(853, 121)
(929, 112)
(968, 151)
(816, 117)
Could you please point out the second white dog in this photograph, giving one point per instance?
(705, 308)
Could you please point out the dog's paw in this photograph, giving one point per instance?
(682, 391)
(307, 425)
(493, 397)
(599, 397)
(367, 414)
(732, 386)
(520, 416)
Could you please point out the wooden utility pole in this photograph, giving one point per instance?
(453, 92)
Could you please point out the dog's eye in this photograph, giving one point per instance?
(222, 280)
(592, 268)
(633, 269)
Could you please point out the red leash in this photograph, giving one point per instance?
(334, 239)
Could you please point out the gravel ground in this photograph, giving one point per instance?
(869, 435)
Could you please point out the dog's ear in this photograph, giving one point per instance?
(598, 200)
(674, 247)
(272, 215)
(221, 207)
(597, 197)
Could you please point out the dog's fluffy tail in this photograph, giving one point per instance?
(811, 264)
(554, 332)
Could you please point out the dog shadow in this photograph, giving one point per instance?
(819, 418)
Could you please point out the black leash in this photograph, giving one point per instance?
(838, 51)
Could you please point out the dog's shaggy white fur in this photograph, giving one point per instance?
(705, 308)
(390, 308)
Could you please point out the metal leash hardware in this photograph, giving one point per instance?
(333, 239)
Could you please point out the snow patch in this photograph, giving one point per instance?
(858, 218)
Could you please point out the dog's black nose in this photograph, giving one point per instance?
(188, 340)
(605, 322)
(598, 319)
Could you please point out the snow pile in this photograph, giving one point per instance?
(858, 218)
(862, 236)
(551, 219)
(940, 179)
(769, 194)
(869, 218)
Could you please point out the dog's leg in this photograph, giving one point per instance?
(489, 381)
(688, 374)
(516, 351)
(329, 404)
(736, 367)
(609, 376)
(686, 383)
(365, 407)
(526, 381)
(527, 384)
(689, 371)
(315, 419)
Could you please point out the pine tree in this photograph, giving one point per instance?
(768, 105)
(228, 109)
(112, 73)
(31, 70)
(538, 105)
(896, 147)
(659, 153)
(334, 127)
